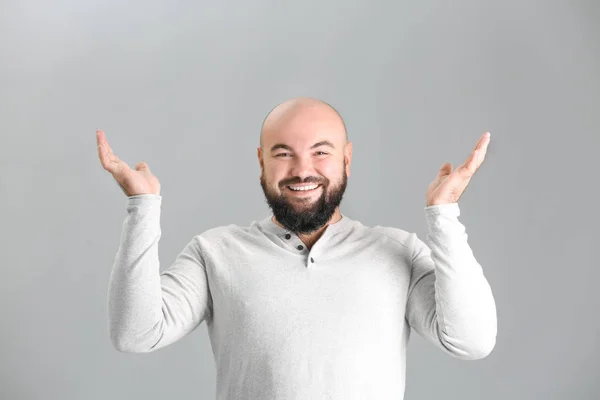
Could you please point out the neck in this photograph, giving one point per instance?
(309, 239)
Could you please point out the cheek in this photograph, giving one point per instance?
(331, 171)
(273, 177)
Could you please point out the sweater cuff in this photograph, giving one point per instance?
(144, 199)
(446, 209)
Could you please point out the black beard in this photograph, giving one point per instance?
(310, 218)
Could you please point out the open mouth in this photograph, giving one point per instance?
(303, 189)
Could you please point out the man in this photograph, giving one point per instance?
(306, 303)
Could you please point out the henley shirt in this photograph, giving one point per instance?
(286, 322)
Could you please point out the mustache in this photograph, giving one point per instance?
(297, 180)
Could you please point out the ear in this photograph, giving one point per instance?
(348, 157)
(260, 159)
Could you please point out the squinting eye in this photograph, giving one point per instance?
(282, 154)
(321, 152)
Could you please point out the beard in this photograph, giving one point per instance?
(309, 217)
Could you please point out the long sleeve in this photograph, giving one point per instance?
(450, 302)
(147, 309)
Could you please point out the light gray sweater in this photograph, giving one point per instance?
(287, 322)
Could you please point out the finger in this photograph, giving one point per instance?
(478, 154)
(103, 143)
(108, 159)
(483, 142)
(103, 151)
(469, 167)
(476, 159)
(102, 154)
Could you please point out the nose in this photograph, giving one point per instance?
(302, 167)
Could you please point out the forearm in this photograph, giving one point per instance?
(465, 312)
(135, 295)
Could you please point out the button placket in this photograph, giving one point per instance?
(310, 260)
(300, 247)
(295, 242)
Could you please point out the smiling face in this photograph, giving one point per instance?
(305, 161)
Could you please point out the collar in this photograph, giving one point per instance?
(267, 225)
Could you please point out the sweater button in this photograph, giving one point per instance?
(288, 236)
(312, 260)
(300, 247)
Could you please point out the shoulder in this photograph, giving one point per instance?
(401, 242)
(226, 237)
(213, 236)
(398, 236)
(395, 238)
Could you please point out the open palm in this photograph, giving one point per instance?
(132, 181)
(448, 185)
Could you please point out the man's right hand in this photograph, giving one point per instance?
(132, 182)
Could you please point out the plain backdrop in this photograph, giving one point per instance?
(184, 86)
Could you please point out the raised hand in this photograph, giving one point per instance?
(132, 182)
(449, 185)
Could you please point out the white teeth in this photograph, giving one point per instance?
(300, 188)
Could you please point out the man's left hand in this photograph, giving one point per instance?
(449, 185)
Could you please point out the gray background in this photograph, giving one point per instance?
(185, 87)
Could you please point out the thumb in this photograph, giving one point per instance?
(142, 166)
(446, 169)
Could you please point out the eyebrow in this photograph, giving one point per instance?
(314, 146)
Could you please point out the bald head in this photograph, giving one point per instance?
(301, 109)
